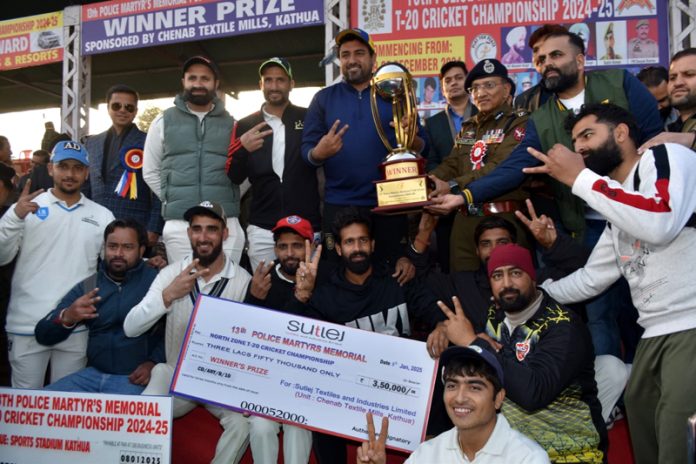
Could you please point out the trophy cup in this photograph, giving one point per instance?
(405, 185)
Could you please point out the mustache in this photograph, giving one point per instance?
(357, 254)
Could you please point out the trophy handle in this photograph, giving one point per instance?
(377, 120)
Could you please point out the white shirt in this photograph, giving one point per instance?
(575, 103)
(278, 149)
(147, 312)
(504, 446)
(56, 248)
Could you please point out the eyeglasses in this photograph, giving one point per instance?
(485, 86)
(116, 106)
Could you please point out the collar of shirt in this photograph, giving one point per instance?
(228, 271)
(495, 446)
(54, 199)
(281, 276)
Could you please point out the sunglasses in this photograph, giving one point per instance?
(116, 106)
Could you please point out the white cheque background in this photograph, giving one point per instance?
(315, 374)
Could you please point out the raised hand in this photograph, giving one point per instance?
(374, 450)
(458, 328)
(541, 227)
(252, 139)
(330, 143)
(183, 283)
(261, 281)
(560, 162)
(307, 273)
(82, 308)
(25, 203)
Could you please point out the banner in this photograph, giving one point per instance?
(425, 34)
(31, 41)
(75, 428)
(310, 373)
(126, 24)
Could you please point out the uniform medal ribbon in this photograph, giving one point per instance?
(132, 162)
(478, 151)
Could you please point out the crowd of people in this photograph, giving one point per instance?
(549, 272)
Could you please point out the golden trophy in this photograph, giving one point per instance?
(405, 185)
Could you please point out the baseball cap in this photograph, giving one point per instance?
(277, 61)
(199, 59)
(471, 352)
(207, 208)
(355, 33)
(69, 149)
(297, 224)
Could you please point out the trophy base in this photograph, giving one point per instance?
(402, 196)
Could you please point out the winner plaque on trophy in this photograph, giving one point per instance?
(405, 185)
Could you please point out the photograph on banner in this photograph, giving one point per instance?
(84, 428)
(31, 41)
(124, 24)
(314, 374)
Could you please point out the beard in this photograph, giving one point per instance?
(605, 158)
(567, 77)
(207, 259)
(519, 303)
(289, 266)
(685, 103)
(356, 75)
(117, 268)
(199, 99)
(357, 267)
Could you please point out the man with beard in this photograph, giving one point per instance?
(483, 142)
(172, 294)
(99, 304)
(360, 293)
(682, 96)
(546, 355)
(561, 60)
(265, 148)
(655, 79)
(59, 233)
(110, 151)
(473, 396)
(648, 240)
(272, 286)
(185, 158)
(340, 135)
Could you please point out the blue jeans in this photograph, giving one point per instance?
(91, 380)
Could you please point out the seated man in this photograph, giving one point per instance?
(100, 303)
(473, 396)
(208, 271)
(546, 354)
(272, 287)
(359, 294)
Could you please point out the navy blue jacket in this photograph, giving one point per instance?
(108, 348)
(350, 172)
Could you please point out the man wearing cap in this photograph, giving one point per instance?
(546, 354)
(209, 271)
(265, 148)
(484, 141)
(642, 46)
(59, 233)
(185, 157)
(117, 158)
(473, 396)
(272, 286)
(341, 136)
(516, 42)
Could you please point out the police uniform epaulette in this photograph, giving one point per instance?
(521, 112)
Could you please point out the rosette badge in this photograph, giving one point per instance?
(405, 186)
(132, 162)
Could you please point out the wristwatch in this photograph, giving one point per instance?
(455, 189)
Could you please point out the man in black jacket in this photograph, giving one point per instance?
(362, 294)
(265, 148)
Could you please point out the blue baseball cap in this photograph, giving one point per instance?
(69, 149)
(471, 352)
(355, 33)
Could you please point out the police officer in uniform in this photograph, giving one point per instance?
(483, 142)
(642, 46)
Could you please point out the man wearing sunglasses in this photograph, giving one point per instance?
(113, 153)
